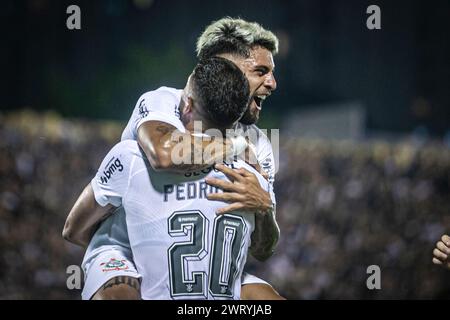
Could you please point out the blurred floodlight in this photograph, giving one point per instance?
(340, 121)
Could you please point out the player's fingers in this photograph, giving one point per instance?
(439, 254)
(230, 173)
(232, 207)
(222, 184)
(253, 162)
(225, 196)
(442, 247)
(446, 239)
(436, 261)
(247, 173)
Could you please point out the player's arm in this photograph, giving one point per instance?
(154, 125)
(254, 288)
(159, 139)
(84, 218)
(441, 253)
(245, 193)
(265, 236)
(102, 195)
(156, 139)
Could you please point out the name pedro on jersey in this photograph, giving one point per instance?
(188, 191)
(192, 190)
(236, 309)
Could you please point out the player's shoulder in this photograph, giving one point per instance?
(121, 158)
(163, 100)
(252, 130)
(125, 145)
(115, 166)
(162, 93)
(126, 149)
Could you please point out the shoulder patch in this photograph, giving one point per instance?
(143, 109)
(177, 112)
(267, 164)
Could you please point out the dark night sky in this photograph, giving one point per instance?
(400, 73)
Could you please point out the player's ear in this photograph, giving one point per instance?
(188, 105)
(188, 97)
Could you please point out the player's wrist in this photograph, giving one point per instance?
(267, 207)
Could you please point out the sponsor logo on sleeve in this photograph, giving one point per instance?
(113, 166)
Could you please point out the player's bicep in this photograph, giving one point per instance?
(84, 216)
(86, 209)
(151, 132)
(154, 138)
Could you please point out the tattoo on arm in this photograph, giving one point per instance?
(197, 147)
(163, 129)
(265, 236)
(130, 281)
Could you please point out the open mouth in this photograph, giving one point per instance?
(259, 100)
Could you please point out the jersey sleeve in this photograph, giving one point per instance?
(266, 185)
(247, 278)
(266, 157)
(112, 178)
(158, 105)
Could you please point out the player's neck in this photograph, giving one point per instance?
(199, 125)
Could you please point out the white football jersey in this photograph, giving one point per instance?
(158, 105)
(182, 249)
(163, 105)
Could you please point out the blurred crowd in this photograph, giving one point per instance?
(342, 206)
(45, 162)
(345, 206)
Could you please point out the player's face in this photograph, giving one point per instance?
(258, 69)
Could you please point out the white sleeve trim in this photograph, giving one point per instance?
(251, 279)
(101, 199)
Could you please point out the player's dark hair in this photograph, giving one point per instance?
(222, 91)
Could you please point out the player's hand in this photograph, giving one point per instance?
(243, 192)
(441, 253)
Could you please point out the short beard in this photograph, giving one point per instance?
(248, 118)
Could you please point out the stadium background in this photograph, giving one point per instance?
(363, 118)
